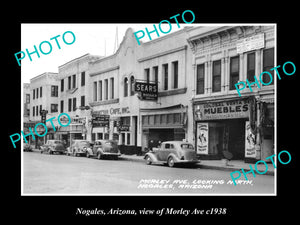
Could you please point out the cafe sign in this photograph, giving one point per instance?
(222, 110)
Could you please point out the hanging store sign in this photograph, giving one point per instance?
(202, 138)
(146, 91)
(250, 43)
(222, 110)
(100, 121)
(250, 140)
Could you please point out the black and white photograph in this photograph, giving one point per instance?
(148, 113)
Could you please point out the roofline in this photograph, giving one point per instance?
(78, 58)
(43, 74)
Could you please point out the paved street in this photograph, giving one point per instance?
(60, 174)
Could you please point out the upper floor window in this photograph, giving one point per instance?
(216, 79)
(268, 63)
(82, 78)
(175, 74)
(165, 76)
(200, 79)
(132, 85)
(251, 66)
(54, 91)
(234, 71)
(125, 87)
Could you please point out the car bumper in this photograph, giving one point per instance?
(111, 153)
(188, 161)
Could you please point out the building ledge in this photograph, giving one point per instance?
(172, 92)
(106, 102)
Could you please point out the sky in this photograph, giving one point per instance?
(90, 38)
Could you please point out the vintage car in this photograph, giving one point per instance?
(79, 147)
(172, 152)
(104, 148)
(27, 147)
(53, 146)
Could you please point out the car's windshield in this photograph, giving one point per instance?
(187, 146)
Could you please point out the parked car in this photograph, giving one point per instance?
(78, 147)
(172, 153)
(27, 147)
(53, 146)
(104, 148)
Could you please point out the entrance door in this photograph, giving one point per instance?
(156, 136)
(236, 142)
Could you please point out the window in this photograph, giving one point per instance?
(268, 63)
(234, 71)
(37, 110)
(82, 102)
(27, 98)
(147, 75)
(200, 79)
(155, 73)
(74, 80)
(33, 111)
(54, 91)
(61, 106)
(95, 91)
(251, 66)
(128, 138)
(100, 90)
(54, 108)
(125, 120)
(41, 91)
(132, 85)
(69, 82)
(40, 109)
(216, 85)
(165, 75)
(112, 88)
(175, 74)
(74, 104)
(37, 93)
(125, 87)
(106, 89)
(62, 85)
(82, 78)
(33, 94)
(69, 105)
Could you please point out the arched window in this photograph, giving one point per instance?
(125, 87)
(132, 85)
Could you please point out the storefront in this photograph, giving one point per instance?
(224, 125)
(163, 124)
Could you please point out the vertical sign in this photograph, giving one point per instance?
(250, 140)
(202, 138)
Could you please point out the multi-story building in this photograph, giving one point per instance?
(224, 121)
(44, 96)
(26, 102)
(73, 94)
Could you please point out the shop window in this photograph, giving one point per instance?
(216, 79)
(122, 138)
(151, 120)
(170, 118)
(234, 71)
(125, 120)
(251, 66)
(268, 63)
(177, 118)
(200, 79)
(163, 118)
(125, 87)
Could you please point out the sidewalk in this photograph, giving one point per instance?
(218, 164)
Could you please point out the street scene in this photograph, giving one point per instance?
(61, 174)
(173, 115)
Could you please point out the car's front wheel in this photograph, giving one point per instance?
(148, 160)
(171, 161)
